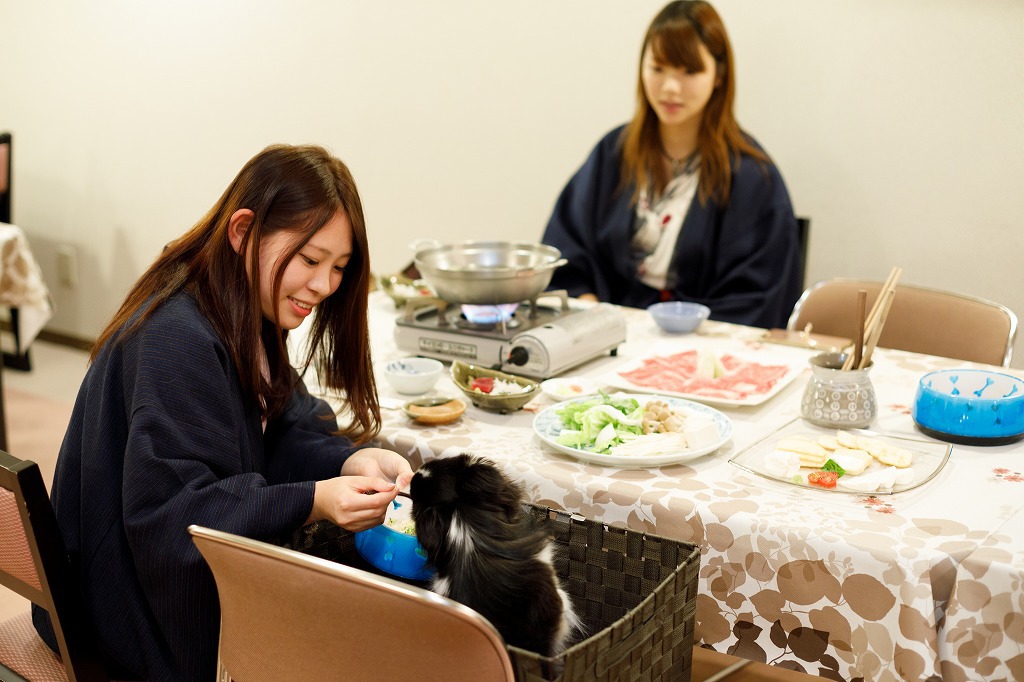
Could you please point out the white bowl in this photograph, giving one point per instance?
(413, 376)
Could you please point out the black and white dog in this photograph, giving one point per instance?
(489, 553)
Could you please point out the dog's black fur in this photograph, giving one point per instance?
(489, 553)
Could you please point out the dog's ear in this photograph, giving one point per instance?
(491, 488)
(431, 529)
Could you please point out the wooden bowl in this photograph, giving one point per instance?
(434, 411)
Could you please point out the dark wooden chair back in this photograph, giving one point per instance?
(34, 564)
(6, 176)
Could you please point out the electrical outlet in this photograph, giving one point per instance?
(67, 266)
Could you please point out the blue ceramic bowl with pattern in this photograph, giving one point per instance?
(679, 317)
(970, 406)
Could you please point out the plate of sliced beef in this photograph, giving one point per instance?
(725, 378)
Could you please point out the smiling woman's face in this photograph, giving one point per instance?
(677, 94)
(313, 274)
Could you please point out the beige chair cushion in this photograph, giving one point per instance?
(25, 653)
(15, 557)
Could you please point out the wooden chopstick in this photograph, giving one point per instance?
(877, 331)
(858, 349)
(890, 285)
(872, 326)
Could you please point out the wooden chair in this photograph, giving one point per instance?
(290, 616)
(921, 320)
(34, 564)
(6, 176)
(804, 226)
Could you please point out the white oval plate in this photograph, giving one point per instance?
(547, 425)
(794, 367)
(568, 388)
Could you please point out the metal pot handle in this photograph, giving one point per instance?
(417, 245)
(530, 272)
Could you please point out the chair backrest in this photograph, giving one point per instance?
(6, 173)
(804, 226)
(921, 320)
(34, 564)
(287, 615)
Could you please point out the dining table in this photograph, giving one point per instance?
(922, 584)
(23, 291)
(22, 286)
(983, 634)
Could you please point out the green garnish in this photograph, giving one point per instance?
(832, 465)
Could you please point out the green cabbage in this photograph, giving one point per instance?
(601, 423)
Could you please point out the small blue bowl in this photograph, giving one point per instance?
(679, 317)
(394, 552)
(970, 406)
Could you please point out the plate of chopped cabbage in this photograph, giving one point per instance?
(633, 430)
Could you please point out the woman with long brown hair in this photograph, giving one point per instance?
(680, 203)
(191, 413)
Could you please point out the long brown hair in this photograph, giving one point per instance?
(674, 37)
(297, 189)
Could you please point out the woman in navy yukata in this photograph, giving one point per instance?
(681, 203)
(191, 412)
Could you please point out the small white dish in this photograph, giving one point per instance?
(413, 376)
(567, 388)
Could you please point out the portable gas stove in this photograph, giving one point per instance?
(525, 338)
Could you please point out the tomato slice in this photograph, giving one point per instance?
(482, 384)
(825, 479)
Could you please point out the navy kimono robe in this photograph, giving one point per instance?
(161, 438)
(741, 260)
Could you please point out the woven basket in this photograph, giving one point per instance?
(635, 593)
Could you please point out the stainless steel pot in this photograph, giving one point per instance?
(487, 273)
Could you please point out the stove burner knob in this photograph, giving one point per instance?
(518, 356)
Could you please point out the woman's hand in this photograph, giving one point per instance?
(359, 498)
(380, 463)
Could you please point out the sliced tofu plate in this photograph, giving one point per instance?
(847, 461)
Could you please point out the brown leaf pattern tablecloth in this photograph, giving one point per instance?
(983, 636)
(848, 587)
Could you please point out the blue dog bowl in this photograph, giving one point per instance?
(970, 406)
(394, 552)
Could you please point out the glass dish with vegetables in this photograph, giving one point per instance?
(853, 461)
(633, 430)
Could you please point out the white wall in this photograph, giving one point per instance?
(897, 123)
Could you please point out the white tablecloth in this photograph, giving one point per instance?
(21, 284)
